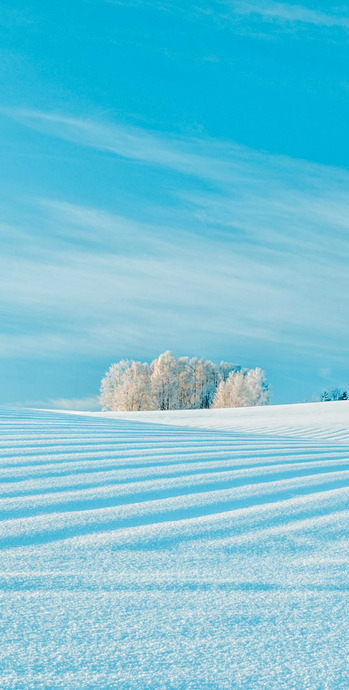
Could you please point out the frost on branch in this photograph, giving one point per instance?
(171, 383)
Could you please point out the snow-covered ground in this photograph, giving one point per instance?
(326, 420)
(175, 550)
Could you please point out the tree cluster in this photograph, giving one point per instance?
(334, 394)
(171, 383)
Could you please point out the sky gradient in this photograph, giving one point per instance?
(173, 176)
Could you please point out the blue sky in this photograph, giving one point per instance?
(174, 175)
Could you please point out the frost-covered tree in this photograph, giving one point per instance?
(231, 392)
(164, 372)
(258, 389)
(225, 368)
(111, 383)
(136, 391)
(127, 386)
(242, 389)
(184, 377)
(204, 382)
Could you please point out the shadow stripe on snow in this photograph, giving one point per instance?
(158, 493)
(281, 471)
(291, 508)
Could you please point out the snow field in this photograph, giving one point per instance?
(148, 554)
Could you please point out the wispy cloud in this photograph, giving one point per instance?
(126, 141)
(253, 248)
(228, 10)
(203, 158)
(285, 12)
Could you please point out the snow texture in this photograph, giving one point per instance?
(180, 550)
